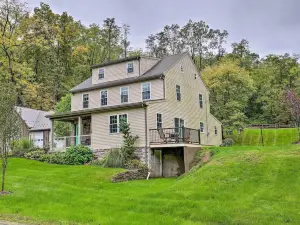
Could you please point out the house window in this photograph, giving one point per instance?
(201, 127)
(114, 122)
(85, 101)
(104, 97)
(122, 117)
(216, 130)
(130, 67)
(195, 76)
(181, 68)
(159, 120)
(124, 94)
(146, 91)
(178, 94)
(201, 100)
(178, 123)
(101, 74)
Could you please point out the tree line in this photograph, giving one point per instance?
(44, 54)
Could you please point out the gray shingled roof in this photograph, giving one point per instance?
(34, 119)
(154, 73)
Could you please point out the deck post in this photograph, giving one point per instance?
(79, 130)
(51, 135)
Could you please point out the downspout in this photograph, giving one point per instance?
(146, 135)
(207, 131)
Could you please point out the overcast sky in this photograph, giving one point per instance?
(271, 26)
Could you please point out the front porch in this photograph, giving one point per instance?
(80, 133)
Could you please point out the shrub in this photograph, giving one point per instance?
(54, 158)
(36, 155)
(114, 159)
(134, 164)
(227, 142)
(78, 155)
(22, 146)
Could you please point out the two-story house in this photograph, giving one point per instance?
(164, 100)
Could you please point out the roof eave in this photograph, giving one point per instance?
(118, 83)
(115, 62)
(95, 110)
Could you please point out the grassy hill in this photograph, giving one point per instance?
(272, 137)
(240, 185)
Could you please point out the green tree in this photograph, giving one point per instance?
(63, 129)
(9, 125)
(230, 86)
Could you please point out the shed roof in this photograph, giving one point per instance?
(34, 119)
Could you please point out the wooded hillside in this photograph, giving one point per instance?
(44, 54)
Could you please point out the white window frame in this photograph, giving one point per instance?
(118, 122)
(142, 91)
(202, 132)
(106, 97)
(99, 73)
(201, 100)
(127, 66)
(121, 94)
(216, 130)
(87, 101)
(181, 68)
(161, 116)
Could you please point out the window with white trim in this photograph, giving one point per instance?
(181, 68)
(130, 67)
(101, 73)
(103, 97)
(146, 91)
(201, 127)
(159, 120)
(114, 123)
(85, 101)
(216, 130)
(178, 93)
(201, 100)
(124, 94)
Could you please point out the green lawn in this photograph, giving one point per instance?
(241, 185)
(272, 137)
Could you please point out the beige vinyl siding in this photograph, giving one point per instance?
(147, 64)
(114, 97)
(188, 108)
(115, 72)
(102, 139)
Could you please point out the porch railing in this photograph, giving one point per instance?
(175, 135)
(61, 143)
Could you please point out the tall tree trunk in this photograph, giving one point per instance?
(4, 164)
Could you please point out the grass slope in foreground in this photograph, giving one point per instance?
(272, 137)
(241, 185)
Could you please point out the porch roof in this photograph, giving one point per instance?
(88, 112)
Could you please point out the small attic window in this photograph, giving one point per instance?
(181, 68)
(101, 74)
(195, 76)
(130, 67)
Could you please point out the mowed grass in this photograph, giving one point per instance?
(272, 137)
(240, 185)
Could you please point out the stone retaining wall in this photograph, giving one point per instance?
(139, 174)
(141, 153)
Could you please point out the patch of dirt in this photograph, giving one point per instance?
(205, 158)
(5, 193)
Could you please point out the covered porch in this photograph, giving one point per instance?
(80, 133)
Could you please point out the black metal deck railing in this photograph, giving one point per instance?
(175, 135)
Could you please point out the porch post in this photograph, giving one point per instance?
(79, 130)
(51, 135)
